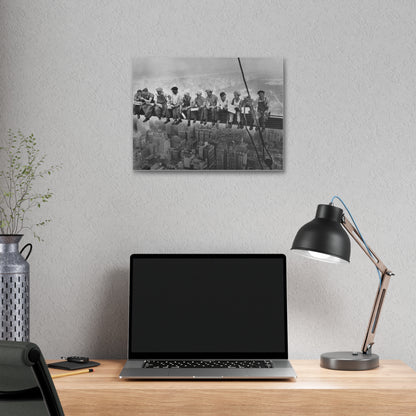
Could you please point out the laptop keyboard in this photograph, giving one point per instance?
(207, 364)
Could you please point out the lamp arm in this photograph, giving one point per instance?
(357, 237)
(385, 280)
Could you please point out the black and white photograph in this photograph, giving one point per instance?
(218, 114)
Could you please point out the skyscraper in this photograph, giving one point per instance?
(203, 134)
(231, 158)
(175, 155)
(209, 156)
(221, 157)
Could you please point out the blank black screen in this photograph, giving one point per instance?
(224, 305)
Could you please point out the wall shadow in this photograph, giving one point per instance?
(108, 333)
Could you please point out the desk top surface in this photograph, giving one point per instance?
(391, 375)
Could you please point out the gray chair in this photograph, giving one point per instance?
(26, 387)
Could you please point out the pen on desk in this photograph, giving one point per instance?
(73, 373)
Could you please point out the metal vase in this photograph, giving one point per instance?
(14, 289)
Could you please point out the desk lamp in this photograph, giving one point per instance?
(324, 238)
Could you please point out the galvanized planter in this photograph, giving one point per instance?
(14, 289)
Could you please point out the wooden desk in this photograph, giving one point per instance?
(388, 390)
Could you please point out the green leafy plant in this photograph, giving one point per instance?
(24, 166)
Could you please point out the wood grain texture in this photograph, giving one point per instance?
(387, 390)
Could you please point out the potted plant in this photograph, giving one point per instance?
(23, 167)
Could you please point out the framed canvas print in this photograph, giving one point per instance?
(208, 114)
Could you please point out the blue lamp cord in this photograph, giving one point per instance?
(359, 232)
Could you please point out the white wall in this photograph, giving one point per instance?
(350, 118)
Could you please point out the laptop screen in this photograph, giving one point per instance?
(208, 306)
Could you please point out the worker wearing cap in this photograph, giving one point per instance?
(161, 103)
(197, 106)
(137, 103)
(187, 105)
(246, 106)
(262, 109)
(234, 110)
(174, 104)
(210, 109)
(149, 104)
(222, 107)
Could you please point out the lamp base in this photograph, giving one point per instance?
(349, 360)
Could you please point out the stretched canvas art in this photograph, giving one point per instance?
(208, 114)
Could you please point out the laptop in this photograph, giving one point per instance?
(208, 316)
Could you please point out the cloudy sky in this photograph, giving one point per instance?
(219, 74)
(146, 68)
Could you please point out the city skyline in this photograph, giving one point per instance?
(157, 146)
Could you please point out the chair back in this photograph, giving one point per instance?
(26, 386)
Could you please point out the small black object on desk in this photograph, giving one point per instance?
(74, 363)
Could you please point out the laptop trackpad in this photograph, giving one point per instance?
(145, 372)
(207, 373)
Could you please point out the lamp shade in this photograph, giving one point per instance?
(324, 238)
